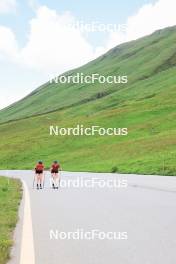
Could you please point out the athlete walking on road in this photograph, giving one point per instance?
(39, 169)
(55, 169)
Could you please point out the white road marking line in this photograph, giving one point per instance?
(27, 243)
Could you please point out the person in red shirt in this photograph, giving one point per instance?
(55, 168)
(39, 169)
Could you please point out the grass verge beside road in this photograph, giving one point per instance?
(10, 197)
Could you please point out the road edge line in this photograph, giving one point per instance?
(27, 255)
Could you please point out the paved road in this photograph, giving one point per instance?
(146, 210)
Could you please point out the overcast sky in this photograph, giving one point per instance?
(42, 38)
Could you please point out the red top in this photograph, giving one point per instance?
(55, 166)
(40, 167)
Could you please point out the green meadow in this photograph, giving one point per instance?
(146, 105)
(10, 196)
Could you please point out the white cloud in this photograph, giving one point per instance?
(7, 6)
(8, 43)
(149, 18)
(52, 45)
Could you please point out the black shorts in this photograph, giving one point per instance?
(54, 171)
(38, 171)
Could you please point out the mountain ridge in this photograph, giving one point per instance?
(123, 53)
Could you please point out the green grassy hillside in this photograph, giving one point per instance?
(146, 106)
(10, 196)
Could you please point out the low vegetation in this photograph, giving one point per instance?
(10, 196)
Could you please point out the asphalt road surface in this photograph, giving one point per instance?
(142, 213)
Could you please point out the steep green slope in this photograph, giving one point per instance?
(138, 59)
(146, 106)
